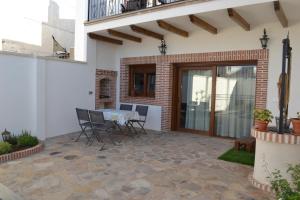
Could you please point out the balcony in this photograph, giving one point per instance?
(98, 9)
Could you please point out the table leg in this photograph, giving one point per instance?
(119, 127)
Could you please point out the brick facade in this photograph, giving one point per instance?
(105, 93)
(164, 76)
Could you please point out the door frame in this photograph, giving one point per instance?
(177, 96)
(176, 86)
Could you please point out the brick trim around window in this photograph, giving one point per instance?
(164, 76)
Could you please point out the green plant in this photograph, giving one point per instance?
(27, 140)
(236, 156)
(5, 147)
(13, 140)
(263, 115)
(284, 189)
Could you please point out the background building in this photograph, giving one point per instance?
(30, 27)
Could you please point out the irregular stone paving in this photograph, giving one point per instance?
(157, 166)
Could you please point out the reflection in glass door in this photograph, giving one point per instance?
(235, 100)
(195, 99)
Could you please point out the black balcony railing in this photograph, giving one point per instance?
(98, 9)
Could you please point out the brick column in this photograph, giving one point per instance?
(164, 85)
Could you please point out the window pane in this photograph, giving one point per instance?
(196, 87)
(235, 100)
(138, 83)
(151, 84)
(142, 80)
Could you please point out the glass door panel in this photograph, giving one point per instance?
(195, 99)
(235, 100)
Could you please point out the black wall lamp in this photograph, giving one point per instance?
(264, 40)
(163, 47)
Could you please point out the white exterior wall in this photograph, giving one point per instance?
(67, 87)
(40, 95)
(18, 94)
(271, 156)
(233, 38)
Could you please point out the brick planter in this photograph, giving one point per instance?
(273, 152)
(21, 154)
(261, 186)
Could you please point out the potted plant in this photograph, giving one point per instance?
(262, 118)
(296, 124)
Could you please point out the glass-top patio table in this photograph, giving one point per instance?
(120, 117)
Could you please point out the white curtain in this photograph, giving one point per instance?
(235, 100)
(198, 100)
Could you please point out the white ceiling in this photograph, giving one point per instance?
(254, 14)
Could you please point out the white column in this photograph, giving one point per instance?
(80, 35)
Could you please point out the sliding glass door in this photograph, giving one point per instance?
(235, 100)
(195, 99)
(216, 100)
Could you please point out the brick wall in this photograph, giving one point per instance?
(105, 86)
(164, 76)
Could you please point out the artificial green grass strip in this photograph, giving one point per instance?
(242, 157)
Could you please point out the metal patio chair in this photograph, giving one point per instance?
(127, 107)
(84, 122)
(143, 112)
(100, 125)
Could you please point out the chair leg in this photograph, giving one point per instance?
(95, 136)
(82, 132)
(119, 127)
(102, 147)
(134, 129)
(99, 138)
(76, 140)
(129, 129)
(142, 127)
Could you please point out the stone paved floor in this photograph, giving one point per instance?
(158, 166)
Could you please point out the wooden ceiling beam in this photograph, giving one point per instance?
(124, 35)
(169, 27)
(203, 24)
(105, 39)
(237, 18)
(280, 14)
(146, 32)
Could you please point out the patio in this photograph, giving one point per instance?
(153, 166)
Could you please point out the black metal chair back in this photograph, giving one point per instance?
(84, 121)
(142, 110)
(126, 107)
(82, 115)
(97, 117)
